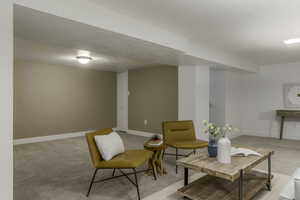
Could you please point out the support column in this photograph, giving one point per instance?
(122, 100)
(6, 101)
(193, 96)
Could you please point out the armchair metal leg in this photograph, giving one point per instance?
(113, 174)
(92, 182)
(137, 184)
(176, 160)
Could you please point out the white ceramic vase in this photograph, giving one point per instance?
(224, 150)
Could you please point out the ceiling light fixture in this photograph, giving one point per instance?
(83, 59)
(292, 41)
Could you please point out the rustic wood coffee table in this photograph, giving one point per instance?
(235, 181)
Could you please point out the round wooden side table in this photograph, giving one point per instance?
(157, 158)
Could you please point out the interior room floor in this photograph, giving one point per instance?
(61, 170)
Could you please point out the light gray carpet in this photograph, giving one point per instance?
(61, 170)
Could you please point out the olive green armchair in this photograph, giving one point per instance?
(130, 159)
(181, 135)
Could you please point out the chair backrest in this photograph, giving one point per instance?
(94, 152)
(178, 131)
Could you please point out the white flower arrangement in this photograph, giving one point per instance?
(217, 131)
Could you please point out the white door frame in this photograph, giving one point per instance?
(6, 101)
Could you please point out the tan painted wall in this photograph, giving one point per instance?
(153, 97)
(53, 99)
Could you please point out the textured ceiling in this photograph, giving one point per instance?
(252, 29)
(47, 38)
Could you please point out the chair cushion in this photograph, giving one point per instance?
(93, 149)
(178, 131)
(109, 145)
(188, 144)
(128, 159)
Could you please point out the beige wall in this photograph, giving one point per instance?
(53, 99)
(153, 97)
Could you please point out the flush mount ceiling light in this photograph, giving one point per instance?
(292, 41)
(83, 59)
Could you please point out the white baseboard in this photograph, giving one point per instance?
(138, 133)
(50, 137)
(74, 134)
(149, 134)
(82, 133)
(260, 133)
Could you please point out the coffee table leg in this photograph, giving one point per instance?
(269, 184)
(241, 180)
(281, 127)
(186, 176)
